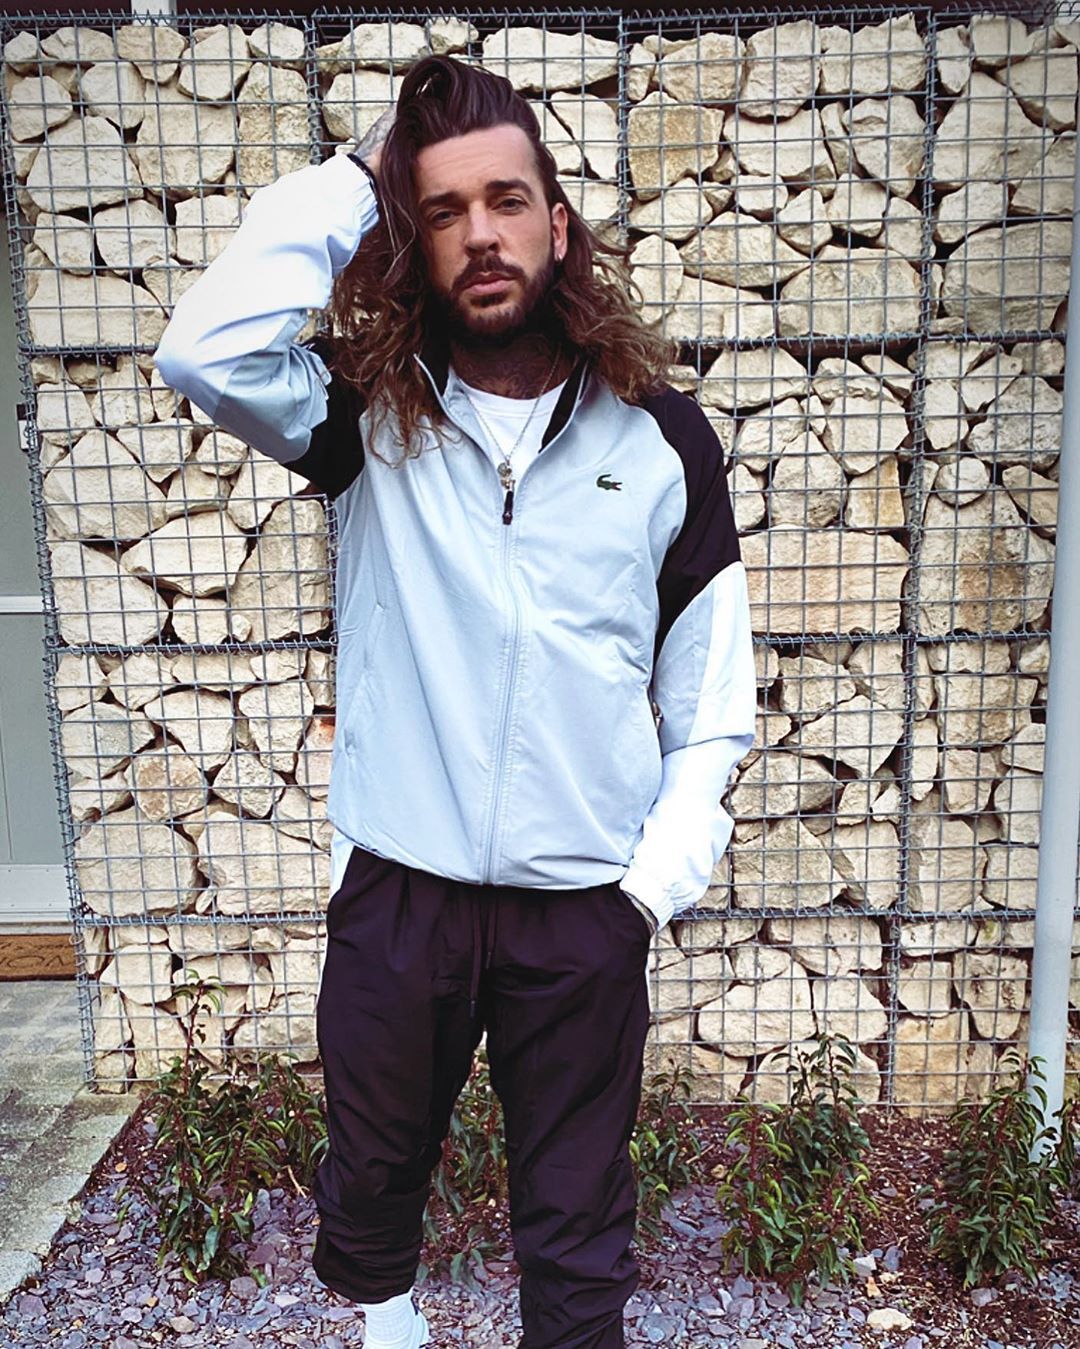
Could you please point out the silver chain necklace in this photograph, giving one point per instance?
(505, 468)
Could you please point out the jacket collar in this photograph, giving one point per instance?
(434, 360)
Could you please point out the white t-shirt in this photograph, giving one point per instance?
(506, 416)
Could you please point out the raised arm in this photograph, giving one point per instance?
(230, 345)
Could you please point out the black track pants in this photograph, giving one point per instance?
(417, 966)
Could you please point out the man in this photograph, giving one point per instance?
(537, 557)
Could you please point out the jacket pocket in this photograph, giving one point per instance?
(365, 643)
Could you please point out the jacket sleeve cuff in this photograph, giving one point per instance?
(639, 885)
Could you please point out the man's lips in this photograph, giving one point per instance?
(492, 281)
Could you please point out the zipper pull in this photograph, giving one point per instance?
(508, 483)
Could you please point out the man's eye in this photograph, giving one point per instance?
(512, 201)
(438, 217)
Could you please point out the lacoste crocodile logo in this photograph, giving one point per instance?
(604, 480)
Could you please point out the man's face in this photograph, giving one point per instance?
(483, 213)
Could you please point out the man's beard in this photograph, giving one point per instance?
(488, 327)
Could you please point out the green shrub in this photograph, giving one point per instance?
(216, 1144)
(797, 1193)
(996, 1194)
(663, 1148)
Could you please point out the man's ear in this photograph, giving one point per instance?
(559, 223)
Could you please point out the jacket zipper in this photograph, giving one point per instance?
(504, 716)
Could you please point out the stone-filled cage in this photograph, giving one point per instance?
(857, 225)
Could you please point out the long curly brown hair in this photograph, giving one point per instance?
(380, 300)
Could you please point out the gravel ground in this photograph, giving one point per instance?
(100, 1285)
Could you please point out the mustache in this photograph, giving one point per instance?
(467, 278)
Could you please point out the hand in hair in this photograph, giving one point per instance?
(370, 148)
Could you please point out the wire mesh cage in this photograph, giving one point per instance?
(856, 223)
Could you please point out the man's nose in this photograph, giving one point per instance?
(480, 234)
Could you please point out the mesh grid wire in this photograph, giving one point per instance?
(857, 222)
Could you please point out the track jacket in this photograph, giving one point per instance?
(496, 667)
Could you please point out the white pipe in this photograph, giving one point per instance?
(1060, 814)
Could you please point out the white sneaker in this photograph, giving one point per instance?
(420, 1335)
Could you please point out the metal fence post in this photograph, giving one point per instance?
(1060, 811)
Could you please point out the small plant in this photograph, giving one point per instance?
(216, 1144)
(797, 1193)
(997, 1191)
(663, 1148)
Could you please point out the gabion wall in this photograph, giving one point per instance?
(857, 225)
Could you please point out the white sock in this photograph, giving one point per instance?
(390, 1324)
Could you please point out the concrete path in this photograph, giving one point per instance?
(53, 1129)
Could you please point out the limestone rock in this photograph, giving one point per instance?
(289, 1021)
(981, 567)
(593, 124)
(99, 738)
(143, 974)
(946, 865)
(789, 869)
(78, 44)
(35, 105)
(707, 311)
(873, 59)
(100, 603)
(789, 149)
(85, 163)
(207, 621)
(93, 798)
(122, 396)
(803, 222)
(807, 485)
(996, 40)
(283, 586)
(167, 784)
(450, 35)
(874, 499)
(1012, 874)
(759, 197)
(1017, 798)
(116, 90)
(705, 69)
(22, 53)
(888, 141)
(1048, 187)
(993, 985)
(846, 580)
(833, 945)
(737, 250)
(924, 987)
(214, 64)
(657, 270)
(867, 855)
(535, 60)
(753, 379)
(153, 48)
(811, 686)
(790, 784)
(863, 425)
(91, 311)
(750, 1018)
(668, 140)
(1008, 277)
(205, 226)
(202, 723)
(773, 1080)
(879, 287)
(181, 145)
(1033, 494)
(356, 100)
(127, 866)
(1022, 426)
(687, 983)
(257, 869)
(221, 453)
(780, 69)
(986, 137)
(846, 1005)
(139, 678)
(280, 44)
(938, 1062)
(277, 716)
(973, 207)
(66, 241)
(248, 783)
(79, 680)
(682, 210)
(858, 733)
(314, 758)
(98, 491)
(197, 555)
